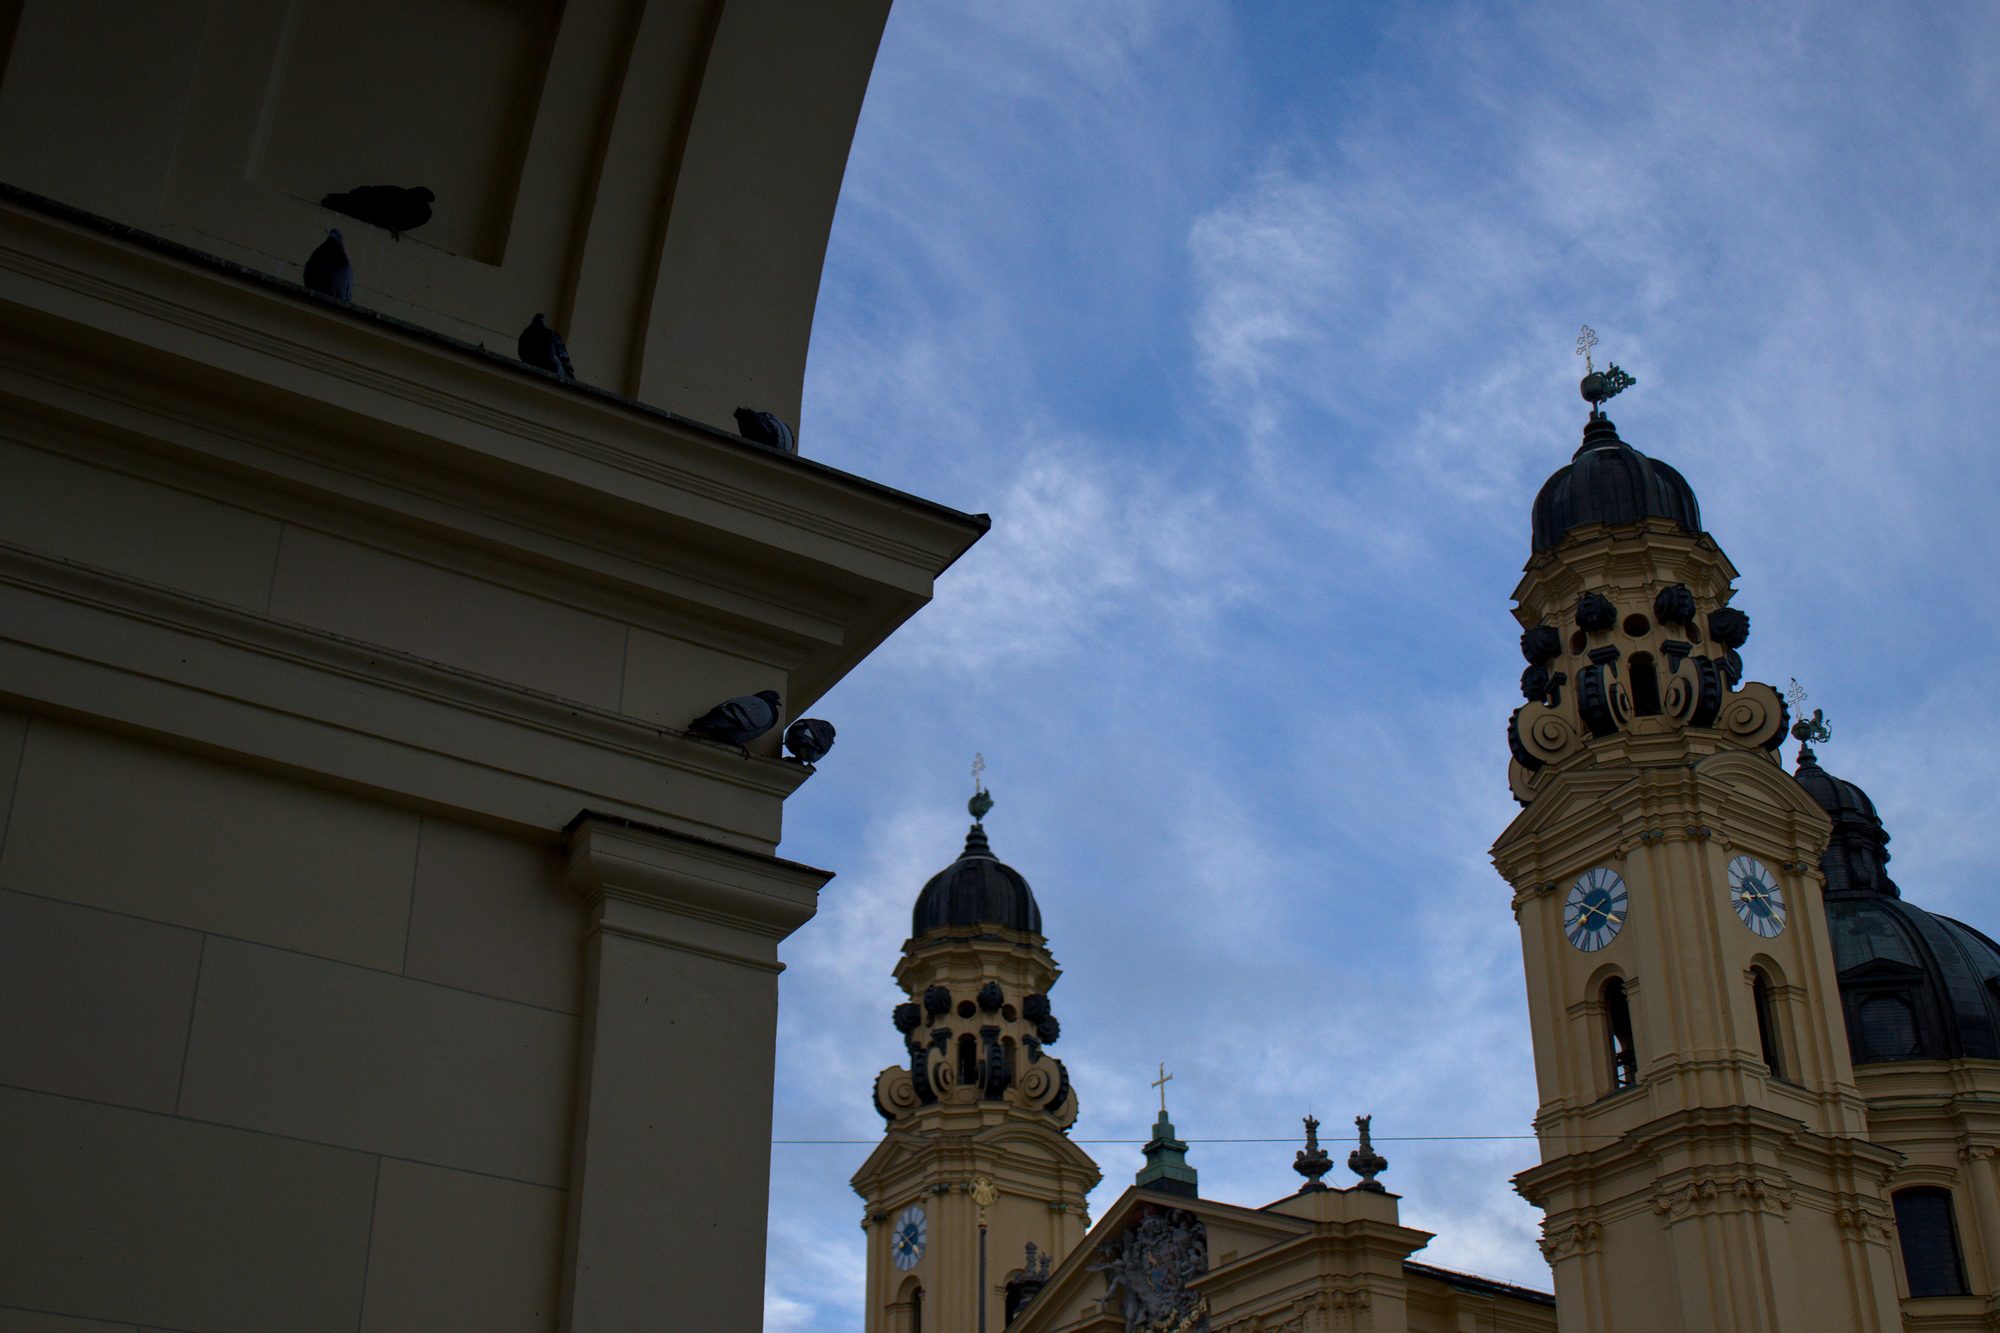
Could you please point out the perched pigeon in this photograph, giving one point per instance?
(766, 428)
(394, 208)
(544, 349)
(809, 739)
(327, 270)
(738, 721)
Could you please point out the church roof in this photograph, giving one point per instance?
(1914, 985)
(976, 889)
(1608, 481)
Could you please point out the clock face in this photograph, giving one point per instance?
(1595, 910)
(1754, 891)
(906, 1242)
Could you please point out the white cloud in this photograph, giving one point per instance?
(1258, 380)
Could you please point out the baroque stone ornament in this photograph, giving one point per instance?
(1365, 1162)
(1541, 644)
(1312, 1161)
(1147, 1270)
(1729, 627)
(1576, 1238)
(1595, 613)
(1674, 605)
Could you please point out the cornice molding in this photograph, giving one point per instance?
(93, 643)
(150, 339)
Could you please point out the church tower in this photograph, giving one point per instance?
(975, 1176)
(1705, 1161)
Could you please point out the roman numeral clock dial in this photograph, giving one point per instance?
(1754, 892)
(1594, 912)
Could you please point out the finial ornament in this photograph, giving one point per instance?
(1312, 1161)
(1599, 386)
(1161, 1083)
(1807, 730)
(1365, 1161)
(982, 800)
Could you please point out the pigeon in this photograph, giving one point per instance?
(766, 428)
(738, 721)
(544, 349)
(809, 739)
(327, 270)
(394, 208)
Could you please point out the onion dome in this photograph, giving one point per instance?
(1608, 481)
(1913, 985)
(978, 889)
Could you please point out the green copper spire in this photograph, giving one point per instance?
(1166, 1169)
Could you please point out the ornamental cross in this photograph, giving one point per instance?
(1807, 730)
(982, 800)
(1599, 386)
(1161, 1083)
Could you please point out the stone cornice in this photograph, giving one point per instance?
(135, 654)
(140, 338)
(668, 888)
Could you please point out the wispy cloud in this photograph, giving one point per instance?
(1257, 377)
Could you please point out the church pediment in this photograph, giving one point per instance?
(1142, 1254)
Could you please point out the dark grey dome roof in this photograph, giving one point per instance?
(976, 889)
(1608, 481)
(1913, 985)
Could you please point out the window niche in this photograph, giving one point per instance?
(1621, 1052)
(1764, 1000)
(1928, 1235)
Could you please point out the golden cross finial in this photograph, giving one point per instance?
(1161, 1083)
(1584, 342)
(978, 768)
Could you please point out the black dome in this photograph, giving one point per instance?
(1608, 481)
(976, 889)
(1913, 985)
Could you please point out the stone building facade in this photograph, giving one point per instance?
(376, 949)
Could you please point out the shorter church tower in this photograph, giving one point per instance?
(976, 1166)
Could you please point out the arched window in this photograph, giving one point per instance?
(1929, 1237)
(968, 1061)
(1767, 1021)
(917, 1311)
(1622, 1053)
(1645, 681)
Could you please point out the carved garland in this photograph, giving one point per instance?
(1576, 1238)
(1707, 1193)
(1866, 1225)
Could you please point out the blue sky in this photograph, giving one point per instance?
(1251, 326)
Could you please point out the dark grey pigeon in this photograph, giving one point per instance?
(544, 349)
(394, 208)
(327, 270)
(809, 739)
(738, 721)
(766, 428)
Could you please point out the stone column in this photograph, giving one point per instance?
(671, 1146)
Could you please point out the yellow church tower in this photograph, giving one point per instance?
(975, 1185)
(1705, 1164)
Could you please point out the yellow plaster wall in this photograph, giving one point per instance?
(252, 1030)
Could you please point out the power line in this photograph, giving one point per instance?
(1289, 1138)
